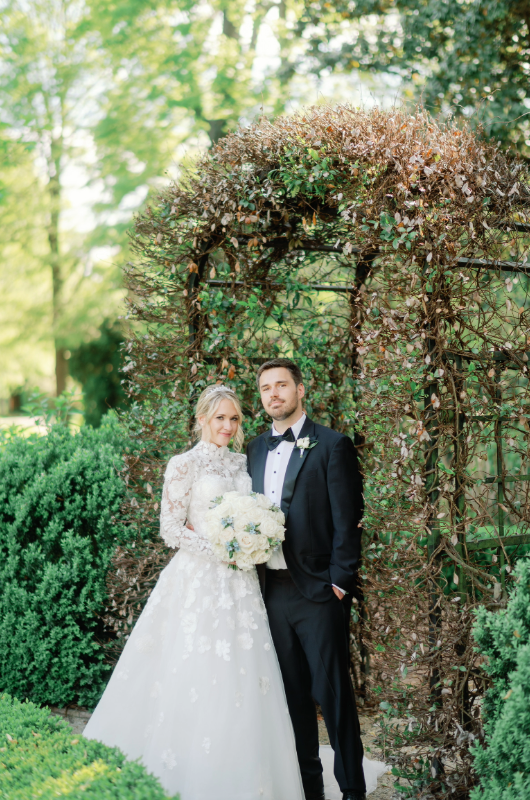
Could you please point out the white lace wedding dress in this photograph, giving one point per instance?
(197, 694)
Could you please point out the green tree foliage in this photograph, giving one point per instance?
(469, 57)
(103, 94)
(63, 92)
(41, 757)
(503, 637)
(59, 495)
(97, 366)
(25, 298)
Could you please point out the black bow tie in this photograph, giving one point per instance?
(274, 441)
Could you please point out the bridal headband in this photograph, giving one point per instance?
(219, 387)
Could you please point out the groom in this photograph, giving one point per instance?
(312, 473)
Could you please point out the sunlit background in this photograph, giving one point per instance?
(101, 104)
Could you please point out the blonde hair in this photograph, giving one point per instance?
(207, 405)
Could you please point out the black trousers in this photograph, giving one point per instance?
(313, 651)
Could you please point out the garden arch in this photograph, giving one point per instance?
(388, 254)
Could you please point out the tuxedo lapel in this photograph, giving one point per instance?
(258, 466)
(296, 462)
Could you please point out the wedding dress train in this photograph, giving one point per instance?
(372, 771)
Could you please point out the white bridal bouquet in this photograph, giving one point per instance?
(244, 529)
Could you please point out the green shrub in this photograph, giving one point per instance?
(503, 766)
(59, 495)
(41, 757)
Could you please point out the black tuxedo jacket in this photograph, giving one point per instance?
(323, 505)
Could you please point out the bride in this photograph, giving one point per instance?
(197, 694)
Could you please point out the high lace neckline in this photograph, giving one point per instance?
(212, 449)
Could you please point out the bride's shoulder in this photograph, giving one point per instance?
(180, 461)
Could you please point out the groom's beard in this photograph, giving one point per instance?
(283, 411)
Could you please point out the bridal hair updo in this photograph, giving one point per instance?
(207, 405)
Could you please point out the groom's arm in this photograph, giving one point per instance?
(346, 500)
(249, 446)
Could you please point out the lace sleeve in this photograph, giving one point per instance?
(242, 480)
(178, 481)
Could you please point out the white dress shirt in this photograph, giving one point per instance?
(275, 469)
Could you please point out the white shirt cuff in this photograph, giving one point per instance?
(338, 587)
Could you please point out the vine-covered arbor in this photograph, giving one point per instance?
(388, 255)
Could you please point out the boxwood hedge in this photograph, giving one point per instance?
(59, 497)
(503, 765)
(41, 757)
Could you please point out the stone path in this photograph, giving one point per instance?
(78, 718)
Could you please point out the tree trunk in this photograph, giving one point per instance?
(217, 128)
(362, 271)
(54, 189)
(61, 370)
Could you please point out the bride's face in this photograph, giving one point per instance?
(222, 426)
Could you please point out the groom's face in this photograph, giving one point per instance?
(280, 396)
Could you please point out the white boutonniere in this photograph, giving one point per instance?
(305, 444)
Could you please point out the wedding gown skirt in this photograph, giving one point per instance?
(372, 771)
(197, 694)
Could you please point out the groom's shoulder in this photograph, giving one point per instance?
(253, 442)
(328, 434)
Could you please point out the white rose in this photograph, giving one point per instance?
(244, 503)
(228, 496)
(226, 510)
(213, 521)
(269, 527)
(247, 542)
(262, 542)
(225, 535)
(262, 501)
(244, 561)
(244, 518)
(219, 552)
(280, 534)
(277, 515)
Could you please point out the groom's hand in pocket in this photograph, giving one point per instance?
(338, 592)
